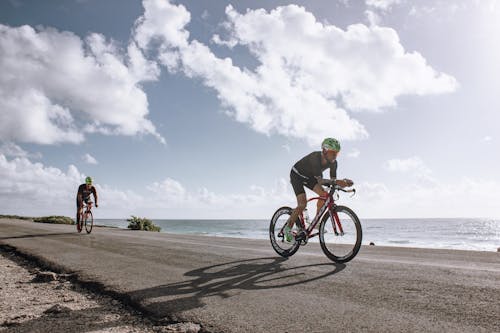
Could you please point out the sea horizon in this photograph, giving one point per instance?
(478, 234)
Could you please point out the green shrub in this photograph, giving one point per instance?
(54, 219)
(142, 223)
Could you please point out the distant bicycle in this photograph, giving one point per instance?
(86, 219)
(339, 229)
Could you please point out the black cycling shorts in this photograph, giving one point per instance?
(298, 183)
(86, 201)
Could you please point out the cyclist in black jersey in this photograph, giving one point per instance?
(83, 195)
(308, 172)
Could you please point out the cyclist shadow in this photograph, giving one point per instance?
(227, 280)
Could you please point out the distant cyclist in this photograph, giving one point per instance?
(309, 172)
(83, 196)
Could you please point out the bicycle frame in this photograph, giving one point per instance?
(87, 208)
(328, 205)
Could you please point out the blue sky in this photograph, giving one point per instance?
(189, 109)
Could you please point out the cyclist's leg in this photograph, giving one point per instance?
(318, 189)
(300, 193)
(79, 206)
(301, 205)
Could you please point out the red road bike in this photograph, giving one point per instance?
(339, 229)
(86, 218)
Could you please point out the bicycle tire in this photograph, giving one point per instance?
(338, 247)
(89, 222)
(283, 248)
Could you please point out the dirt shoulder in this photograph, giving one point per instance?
(32, 300)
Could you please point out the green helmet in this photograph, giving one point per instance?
(330, 144)
(88, 180)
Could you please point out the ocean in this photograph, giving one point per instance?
(463, 234)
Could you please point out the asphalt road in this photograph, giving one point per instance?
(241, 285)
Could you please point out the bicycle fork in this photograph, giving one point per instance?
(336, 222)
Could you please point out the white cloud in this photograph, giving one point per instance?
(87, 158)
(414, 163)
(10, 149)
(382, 4)
(429, 200)
(422, 11)
(33, 189)
(413, 166)
(216, 39)
(309, 75)
(372, 17)
(53, 84)
(170, 191)
(487, 139)
(26, 187)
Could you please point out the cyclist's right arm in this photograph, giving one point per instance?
(94, 192)
(79, 196)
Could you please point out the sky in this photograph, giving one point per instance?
(198, 109)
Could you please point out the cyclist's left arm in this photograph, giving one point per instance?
(340, 182)
(94, 192)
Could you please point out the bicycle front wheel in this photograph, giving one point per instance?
(276, 233)
(89, 222)
(340, 234)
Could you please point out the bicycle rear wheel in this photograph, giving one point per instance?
(340, 238)
(89, 222)
(276, 234)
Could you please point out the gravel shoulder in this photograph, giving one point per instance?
(33, 300)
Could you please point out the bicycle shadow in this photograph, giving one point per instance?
(38, 235)
(226, 280)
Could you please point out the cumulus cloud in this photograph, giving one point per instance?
(310, 74)
(414, 163)
(26, 187)
(33, 189)
(55, 86)
(87, 158)
(10, 149)
(382, 4)
(414, 166)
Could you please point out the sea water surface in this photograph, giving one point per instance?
(466, 234)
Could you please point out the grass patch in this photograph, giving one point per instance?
(142, 223)
(54, 220)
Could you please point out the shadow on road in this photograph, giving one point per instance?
(39, 235)
(224, 280)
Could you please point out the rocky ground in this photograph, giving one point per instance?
(32, 300)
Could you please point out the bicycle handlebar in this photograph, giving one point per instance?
(331, 183)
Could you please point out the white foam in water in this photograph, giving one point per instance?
(463, 234)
